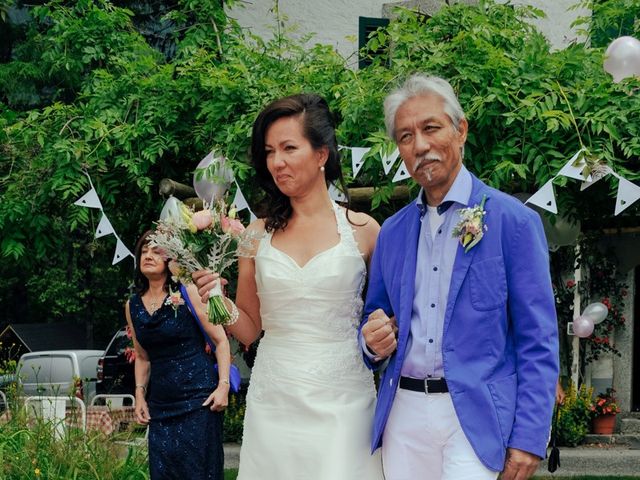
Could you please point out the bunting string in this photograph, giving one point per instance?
(91, 200)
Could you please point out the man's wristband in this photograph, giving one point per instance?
(142, 386)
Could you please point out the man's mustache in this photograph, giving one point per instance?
(421, 161)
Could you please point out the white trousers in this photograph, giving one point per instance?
(423, 440)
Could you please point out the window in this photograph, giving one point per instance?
(367, 25)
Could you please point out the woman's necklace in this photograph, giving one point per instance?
(155, 303)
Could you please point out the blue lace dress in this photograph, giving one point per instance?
(185, 438)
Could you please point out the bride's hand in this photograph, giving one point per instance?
(206, 280)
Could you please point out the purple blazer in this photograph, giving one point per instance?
(500, 338)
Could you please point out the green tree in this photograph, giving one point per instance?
(85, 92)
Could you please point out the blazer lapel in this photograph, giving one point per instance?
(408, 276)
(463, 259)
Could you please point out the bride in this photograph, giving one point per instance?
(310, 401)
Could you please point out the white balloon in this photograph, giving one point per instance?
(583, 326)
(622, 58)
(171, 208)
(596, 311)
(211, 189)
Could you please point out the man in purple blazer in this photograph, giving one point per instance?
(459, 311)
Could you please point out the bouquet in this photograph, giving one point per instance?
(211, 238)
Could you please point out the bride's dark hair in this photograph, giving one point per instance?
(317, 127)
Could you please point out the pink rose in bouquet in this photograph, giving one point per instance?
(202, 219)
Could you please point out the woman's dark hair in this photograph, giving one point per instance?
(318, 128)
(141, 282)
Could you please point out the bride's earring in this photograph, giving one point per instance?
(322, 168)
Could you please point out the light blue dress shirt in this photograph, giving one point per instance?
(436, 256)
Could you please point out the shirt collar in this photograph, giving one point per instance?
(460, 191)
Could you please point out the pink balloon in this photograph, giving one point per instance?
(622, 58)
(583, 326)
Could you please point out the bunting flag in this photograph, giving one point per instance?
(121, 252)
(595, 177)
(357, 153)
(104, 227)
(336, 194)
(89, 199)
(238, 200)
(401, 173)
(241, 202)
(628, 193)
(545, 198)
(575, 171)
(389, 160)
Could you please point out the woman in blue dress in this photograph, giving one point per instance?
(178, 393)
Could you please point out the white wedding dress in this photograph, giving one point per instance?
(311, 399)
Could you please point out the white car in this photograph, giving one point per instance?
(59, 373)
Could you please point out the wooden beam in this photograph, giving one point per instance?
(364, 194)
(179, 190)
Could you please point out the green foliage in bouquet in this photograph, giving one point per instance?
(574, 416)
(211, 238)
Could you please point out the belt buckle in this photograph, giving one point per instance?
(426, 383)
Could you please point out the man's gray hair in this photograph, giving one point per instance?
(417, 85)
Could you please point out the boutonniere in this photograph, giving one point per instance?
(174, 300)
(470, 229)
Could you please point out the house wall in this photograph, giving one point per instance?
(335, 22)
(557, 24)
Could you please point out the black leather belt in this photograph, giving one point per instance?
(427, 385)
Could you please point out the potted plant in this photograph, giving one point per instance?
(604, 409)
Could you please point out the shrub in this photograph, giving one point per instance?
(234, 418)
(574, 416)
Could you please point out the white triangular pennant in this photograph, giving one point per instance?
(104, 227)
(121, 252)
(252, 217)
(89, 199)
(571, 171)
(238, 200)
(595, 177)
(356, 159)
(389, 160)
(628, 193)
(545, 198)
(401, 173)
(336, 194)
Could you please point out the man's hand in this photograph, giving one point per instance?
(520, 465)
(379, 334)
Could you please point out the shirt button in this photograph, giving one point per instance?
(431, 340)
(440, 231)
(433, 305)
(435, 269)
